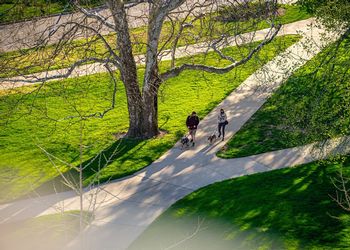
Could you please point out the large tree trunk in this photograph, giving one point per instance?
(143, 109)
(135, 109)
(143, 116)
(150, 116)
(143, 113)
(151, 80)
(150, 100)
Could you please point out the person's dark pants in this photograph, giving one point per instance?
(221, 129)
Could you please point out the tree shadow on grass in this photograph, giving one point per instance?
(91, 167)
(120, 153)
(288, 208)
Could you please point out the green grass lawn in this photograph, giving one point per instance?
(312, 105)
(37, 60)
(11, 12)
(44, 232)
(37, 118)
(281, 209)
(14, 11)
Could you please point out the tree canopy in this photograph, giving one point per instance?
(333, 13)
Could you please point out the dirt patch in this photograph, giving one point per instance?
(119, 135)
(224, 148)
(162, 133)
(281, 11)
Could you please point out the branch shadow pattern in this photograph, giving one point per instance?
(269, 210)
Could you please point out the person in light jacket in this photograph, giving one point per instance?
(222, 122)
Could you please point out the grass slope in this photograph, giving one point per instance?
(38, 118)
(312, 105)
(52, 232)
(282, 209)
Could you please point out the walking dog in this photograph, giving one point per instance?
(185, 141)
(212, 138)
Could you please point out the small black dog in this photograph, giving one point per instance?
(185, 141)
(212, 138)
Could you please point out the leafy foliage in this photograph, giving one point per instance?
(333, 13)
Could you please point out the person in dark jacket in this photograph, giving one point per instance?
(192, 122)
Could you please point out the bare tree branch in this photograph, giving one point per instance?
(177, 70)
(94, 15)
(342, 193)
(133, 3)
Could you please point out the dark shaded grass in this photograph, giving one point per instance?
(312, 105)
(281, 209)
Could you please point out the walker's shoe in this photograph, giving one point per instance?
(192, 144)
(191, 140)
(222, 139)
(219, 135)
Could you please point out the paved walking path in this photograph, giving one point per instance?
(127, 206)
(23, 35)
(298, 27)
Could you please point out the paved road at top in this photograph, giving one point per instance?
(25, 34)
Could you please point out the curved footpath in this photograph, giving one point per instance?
(127, 206)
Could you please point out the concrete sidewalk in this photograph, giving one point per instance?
(127, 206)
